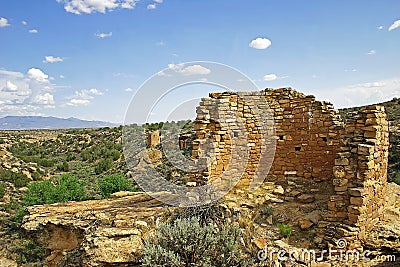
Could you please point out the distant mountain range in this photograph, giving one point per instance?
(38, 122)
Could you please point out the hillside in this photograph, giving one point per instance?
(38, 122)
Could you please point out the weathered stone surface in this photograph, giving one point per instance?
(305, 198)
(108, 231)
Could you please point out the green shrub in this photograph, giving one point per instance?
(18, 179)
(39, 193)
(36, 176)
(2, 189)
(114, 183)
(63, 167)
(70, 157)
(268, 210)
(30, 252)
(397, 178)
(103, 165)
(46, 162)
(285, 229)
(66, 188)
(69, 188)
(187, 243)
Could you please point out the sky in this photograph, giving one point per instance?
(88, 58)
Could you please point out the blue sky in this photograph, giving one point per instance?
(87, 58)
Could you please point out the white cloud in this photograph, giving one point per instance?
(371, 52)
(160, 43)
(43, 99)
(128, 4)
(380, 27)
(94, 91)
(103, 35)
(62, 76)
(24, 22)
(270, 77)
(129, 90)
(25, 94)
(13, 74)
(350, 70)
(33, 31)
(363, 93)
(78, 102)
(51, 59)
(3, 22)
(10, 87)
(151, 6)
(368, 85)
(38, 75)
(273, 77)
(83, 97)
(158, 1)
(260, 43)
(189, 70)
(395, 25)
(92, 6)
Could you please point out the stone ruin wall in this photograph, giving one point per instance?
(359, 177)
(318, 158)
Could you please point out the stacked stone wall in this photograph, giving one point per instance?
(318, 158)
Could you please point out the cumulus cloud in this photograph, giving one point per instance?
(364, 93)
(51, 59)
(92, 6)
(78, 102)
(270, 77)
(94, 91)
(83, 97)
(3, 22)
(33, 31)
(128, 4)
(38, 75)
(395, 25)
(371, 52)
(158, 1)
(273, 77)
(260, 43)
(128, 90)
(103, 35)
(24, 22)
(43, 99)
(25, 94)
(380, 27)
(10, 87)
(151, 6)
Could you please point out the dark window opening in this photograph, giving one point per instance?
(324, 139)
(235, 134)
(281, 137)
(297, 148)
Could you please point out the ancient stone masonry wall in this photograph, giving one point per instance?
(320, 163)
(360, 177)
(307, 136)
